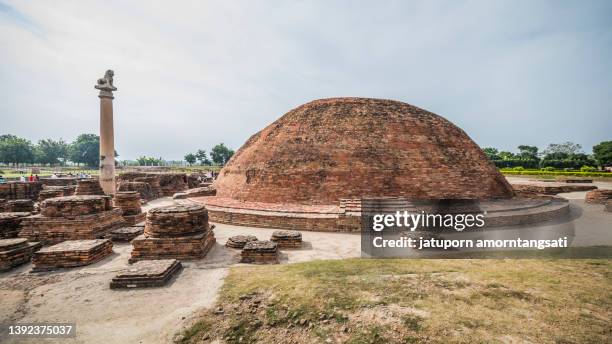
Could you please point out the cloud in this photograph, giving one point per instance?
(193, 74)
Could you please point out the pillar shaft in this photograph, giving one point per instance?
(107, 146)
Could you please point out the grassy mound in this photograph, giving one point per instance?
(412, 301)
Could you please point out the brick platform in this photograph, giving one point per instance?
(177, 231)
(10, 224)
(287, 239)
(260, 252)
(129, 203)
(73, 206)
(88, 187)
(20, 190)
(238, 241)
(176, 220)
(17, 205)
(149, 273)
(14, 252)
(144, 189)
(172, 183)
(49, 193)
(126, 233)
(197, 192)
(550, 188)
(153, 182)
(69, 254)
(190, 247)
(598, 196)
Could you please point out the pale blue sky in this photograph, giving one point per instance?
(192, 74)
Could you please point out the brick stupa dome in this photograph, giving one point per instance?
(331, 149)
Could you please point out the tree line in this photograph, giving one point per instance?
(219, 155)
(85, 149)
(566, 155)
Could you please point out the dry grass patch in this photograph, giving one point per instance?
(413, 301)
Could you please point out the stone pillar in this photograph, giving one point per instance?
(107, 135)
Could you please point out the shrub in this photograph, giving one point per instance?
(548, 168)
(518, 168)
(588, 169)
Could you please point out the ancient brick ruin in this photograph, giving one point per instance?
(177, 231)
(129, 203)
(287, 239)
(598, 196)
(49, 193)
(260, 252)
(126, 234)
(238, 241)
(608, 206)
(10, 224)
(20, 190)
(88, 187)
(147, 273)
(144, 189)
(70, 254)
(16, 251)
(72, 218)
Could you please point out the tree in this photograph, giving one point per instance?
(568, 148)
(149, 161)
(221, 154)
(603, 153)
(491, 153)
(51, 152)
(86, 150)
(190, 158)
(202, 157)
(528, 152)
(15, 150)
(506, 155)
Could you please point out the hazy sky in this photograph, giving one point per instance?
(193, 74)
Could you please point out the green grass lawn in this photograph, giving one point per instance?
(413, 301)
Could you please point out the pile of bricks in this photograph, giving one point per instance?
(177, 231)
(153, 182)
(260, 252)
(72, 218)
(9, 224)
(69, 254)
(89, 187)
(598, 196)
(126, 233)
(49, 193)
(147, 273)
(287, 239)
(129, 203)
(144, 189)
(14, 252)
(238, 241)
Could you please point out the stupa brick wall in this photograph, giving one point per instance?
(331, 149)
(20, 190)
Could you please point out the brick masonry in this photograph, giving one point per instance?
(338, 148)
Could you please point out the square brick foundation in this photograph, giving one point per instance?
(14, 252)
(184, 248)
(147, 273)
(70, 254)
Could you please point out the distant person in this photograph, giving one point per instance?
(2, 180)
(22, 179)
(36, 178)
(31, 178)
(54, 176)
